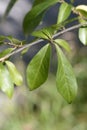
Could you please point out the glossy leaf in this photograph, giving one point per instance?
(82, 9)
(65, 78)
(14, 73)
(9, 7)
(37, 70)
(34, 16)
(64, 12)
(83, 35)
(6, 84)
(63, 44)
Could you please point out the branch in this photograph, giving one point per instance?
(41, 40)
(69, 29)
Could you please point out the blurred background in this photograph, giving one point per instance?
(43, 108)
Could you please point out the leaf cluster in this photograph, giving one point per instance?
(38, 69)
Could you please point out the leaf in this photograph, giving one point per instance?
(34, 16)
(43, 33)
(15, 75)
(82, 9)
(47, 32)
(83, 35)
(11, 39)
(9, 7)
(6, 52)
(6, 83)
(14, 40)
(36, 2)
(65, 78)
(37, 70)
(63, 44)
(64, 12)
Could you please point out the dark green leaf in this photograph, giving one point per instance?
(63, 44)
(6, 83)
(65, 78)
(15, 75)
(34, 16)
(64, 12)
(36, 2)
(37, 71)
(83, 35)
(9, 7)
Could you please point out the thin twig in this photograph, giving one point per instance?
(68, 29)
(20, 49)
(41, 40)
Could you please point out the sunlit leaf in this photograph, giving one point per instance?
(34, 16)
(14, 73)
(6, 83)
(37, 71)
(65, 78)
(64, 12)
(82, 9)
(83, 35)
(63, 44)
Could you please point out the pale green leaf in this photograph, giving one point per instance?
(6, 84)
(64, 12)
(34, 16)
(83, 35)
(82, 9)
(14, 73)
(37, 70)
(63, 44)
(65, 78)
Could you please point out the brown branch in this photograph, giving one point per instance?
(40, 40)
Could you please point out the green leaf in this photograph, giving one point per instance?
(11, 39)
(65, 78)
(9, 7)
(15, 75)
(37, 70)
(34, 16)
(48, 32)
(36, 2)
(82, 9)
(6, 83)
(63, 44)
(14, 40)
(43, 33)
(6, 52)
(83, 35)
(64, 12)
